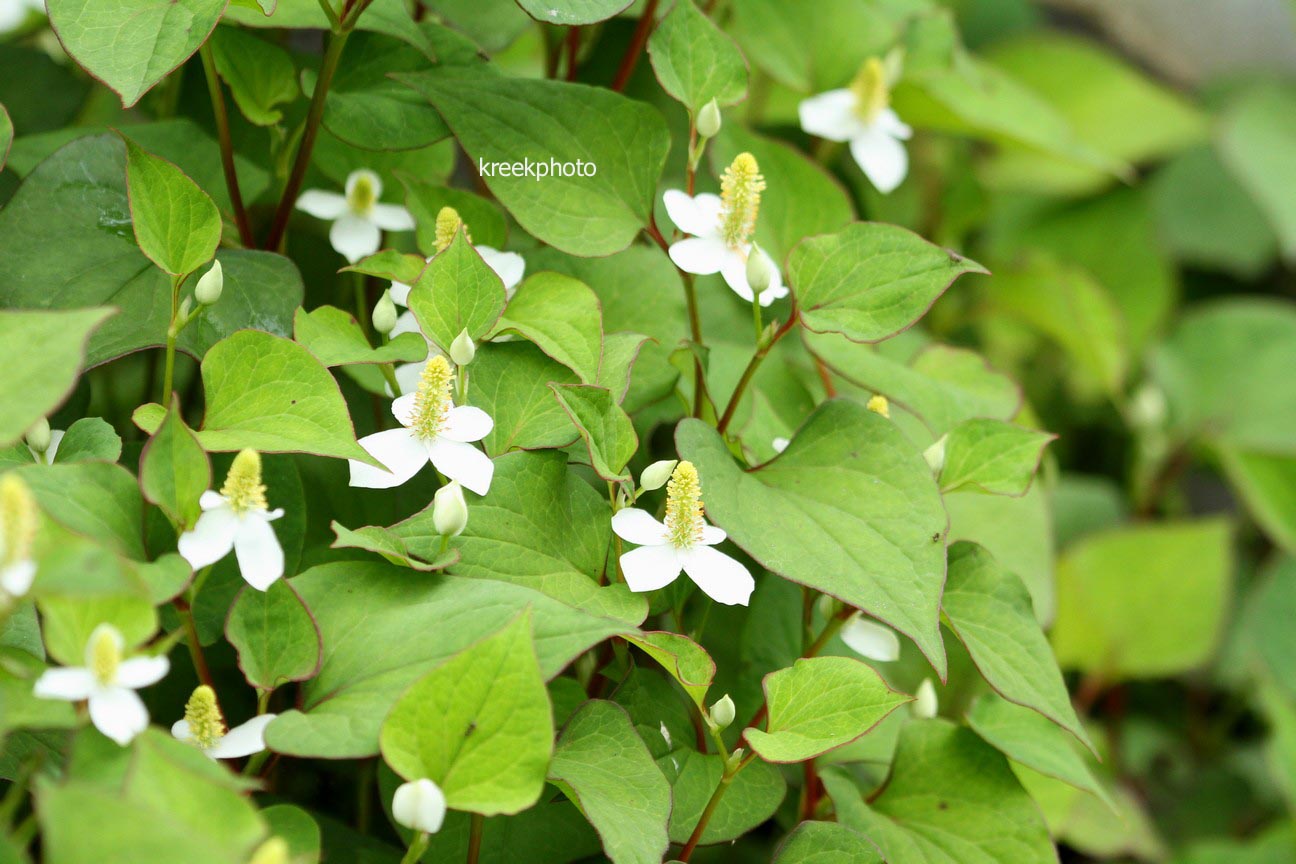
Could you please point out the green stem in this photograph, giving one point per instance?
(731, 771)
(221, 116)
(417, 847)
(389, 375)
(762, 349)
(475, 838)
(756, 316)
(695, 329)
(195, 644)
(173, 330)
(361, 302)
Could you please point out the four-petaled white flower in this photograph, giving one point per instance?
(108, 683)
(419, 805)
(18, 523)
(722, 226)
(861, 114)
(237, 518)
(204, 726)
(433, 429)
(870, 639)
(358, 217)
(682, 543)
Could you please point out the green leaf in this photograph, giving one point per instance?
(1167, 621)
(503, 120)
(990, 611)
(753, 796)
(825, 843)
(130, 45)
(456, 292)
(950, 798)
(819, 704)
(67, 623)
(483, 219)
(298, 828)
(685, 660)
(1257, 137)
(870, 281)
(176, 224)
(335, 338)
(373, 618)
(606, 428)
(274, 634)
(695, 61)
(562, 316)
(42, 354)
(1267, 485)
(98, 500)
(479, 725)
(1018, 532)
(992, 456)
(90, 439)
(510, 382)
(824, 514)
(602, 765)
(572, 12)
(411, 543)
(259, 73)
(1271, 608)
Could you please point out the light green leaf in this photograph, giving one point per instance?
(602, 765)
(68, 622)
(176, 225)
(753, 796)
(870, 281)
(1167, 621)
(174, 469)
(335, 338)
(823, 514)
(1018, 532)
(90, 439)
(826, 843)
(1267, 485)
(502, 120)
(562, 316)
(819, 704)
(1271, 609)
(259, 73)
(480, 725)
(606, 428)
(298, 828)
(411, 543)
(685, 660)
(274, 634)
(456, 292)
(992, 456)
(572, 12)
(42, 354)
(695, 61)
(130, 45)
(951, 798)
(98, 500)
(510, 382)
(1257, 140)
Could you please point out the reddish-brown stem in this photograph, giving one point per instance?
(573, 47)
(750, 371)
(221, 116)
(830, 389)
(195, 645)
(636, 46)
(810, 791)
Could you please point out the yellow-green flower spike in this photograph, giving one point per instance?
(878, 404)
(740, 193)
(206, 723)
(448, 224)
(104, 654)
(362, 195)
(684, 511)
(872, 94)
(273, 851)
(18, 517)
(243, 487)
(432, 399)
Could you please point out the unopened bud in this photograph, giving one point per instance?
(450, 510)
(209, 287)
(758, 270)
(935, 454)
(723, 712)
(463, 349)
(708, 120)
(186, 307)
(656, 474)
(384, 314)
(925, 705)
(38, 436)
(419, 805)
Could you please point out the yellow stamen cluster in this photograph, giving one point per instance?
(432, 399)
(448, 224)
(878, 404)
(740, 194)
(17, 520)
(104, 654)
(684, 511)
(362, 195)
(872, 94)
(206, 723)
(243, 487)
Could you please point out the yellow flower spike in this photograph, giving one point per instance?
(18, 515)
(104, 654)
(740, 193)
(243, 487)
(273, 851)
(432, 399)
(872, 94)
(878, 404)
(448, 223)
(363, 195)
(206, 723)
(684, 511)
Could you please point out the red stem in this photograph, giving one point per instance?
(636, 46)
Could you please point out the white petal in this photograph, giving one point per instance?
(639, 527)
(375, 182)
(831, 115)
(402, 407)
(882, 158)
(399, 293)
(722, 578)
(466, 423)
(210, 500)
(780, 444)
(56, 438)
(734, 271)
(260, 557)
(118, 713)
(242, 740)
(321, 204)
(870, 639)
(180, 730)
(140, 672)
(398, 449)
(406, 323)
(463, 462)
(711, 535)
(890, 123)
(408, 375)
(419, 805)
(509, 266)
(392, 217)
(354, 237)
(699, 215)
(699, 255)
(211, 538)
(650, 567)
(70, 684)
(16, 579)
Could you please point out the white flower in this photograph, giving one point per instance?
(780, 444)
(237, 518)
(204, 726)
(18, 524)
(870, 639)
(861, 115)
(925, 703)
(682, 542)
(419, 805)
(433, 429)
(51, 438)
(722, 226)
(13, 13)
(358, 217)
(108, 683)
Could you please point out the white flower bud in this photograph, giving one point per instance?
(870, 639)
(450, 510)
(209, 287)
(935, 454)
(708, 120)
(186, 307)
(925, 705)
(419, 805)
(463, 349)
(384, 314)
(723, 712)
(780, 444)
(656, 474)
(38, 436)
(758, 270)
